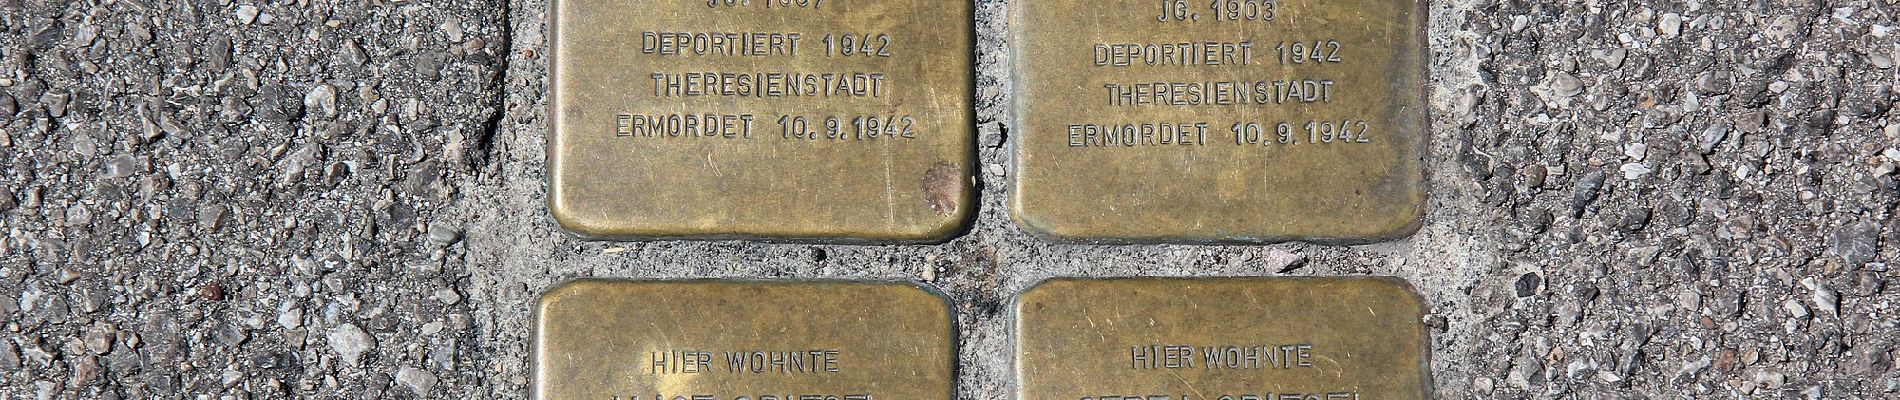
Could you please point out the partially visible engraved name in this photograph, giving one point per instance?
(855, 396)
(808, 4)
(1333, 395)
(1286, 356)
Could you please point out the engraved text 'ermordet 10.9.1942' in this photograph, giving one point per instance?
(1218, 120)
(807, 120)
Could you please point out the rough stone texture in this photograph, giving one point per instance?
(1650, 199)
(350, 342)
(419, 382)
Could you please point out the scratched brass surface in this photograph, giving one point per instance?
(597, 339)
(884, 152)
(1359, 184)
(1363, 339)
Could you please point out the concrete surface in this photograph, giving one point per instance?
(235, 199)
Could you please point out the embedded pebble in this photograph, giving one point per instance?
(1670, 25)
(119, 167)
(322, 98)
(350, 342)
(1633, 171)
(418, 381)
(247, 14)
(1566, 85)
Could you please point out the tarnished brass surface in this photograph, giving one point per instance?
(1084, 80)
(598, 339)
(1272, 339)
(810, 120)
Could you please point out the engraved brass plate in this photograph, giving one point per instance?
(795, 120)
(1221, 339)
(1219, 120)
(712, 340)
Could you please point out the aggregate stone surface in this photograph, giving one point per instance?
(237, 199)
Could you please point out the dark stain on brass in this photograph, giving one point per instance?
(743, 340)
(942, 186)
(780, 120)
(1197, 121)
(1221, 339)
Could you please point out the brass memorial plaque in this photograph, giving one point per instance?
(722, 340)
(1221, 339)
(1219, 120)
(812, 120)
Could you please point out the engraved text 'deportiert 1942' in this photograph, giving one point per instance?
(726, 340)
(1221, 339)
(795, 120)
(1219, 120)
